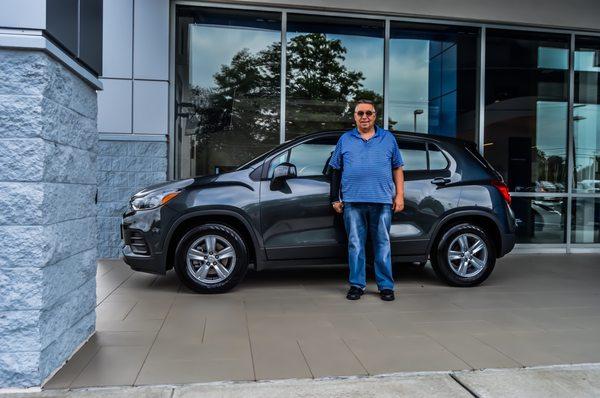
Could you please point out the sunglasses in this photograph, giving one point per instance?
(365, 113)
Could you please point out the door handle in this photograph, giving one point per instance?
(440, 181)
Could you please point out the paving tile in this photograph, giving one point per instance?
(133, 325)
(278, 358)
(404, 354)
(194, 371)
(472, 351)
(112, 366)
(293, 326)
(528, 349)
(477, 326)
(393, 324)
(330, 356)
(124, 339)
(277, 323)
(69, 372)
(223, 327)
(354, 326)
(546, 319)
(114, 310)
(150, 309)
(223, 350)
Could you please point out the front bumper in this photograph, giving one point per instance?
(153, 264)
(143, 235)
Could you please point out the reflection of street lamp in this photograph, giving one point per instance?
(415, 113)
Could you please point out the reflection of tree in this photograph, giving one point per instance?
(550, 168)
(243, 106)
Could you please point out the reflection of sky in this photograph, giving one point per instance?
(409, 83)
(587, 135)
(553, 58)
(584, 61)
(364, 54)
(551, 128)
(212, 46)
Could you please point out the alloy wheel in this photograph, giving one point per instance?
(467, 255)
(210, 259)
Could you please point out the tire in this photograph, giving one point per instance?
(202, 270)
(479, 265)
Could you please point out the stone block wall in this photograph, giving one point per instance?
(124, 168)
(48, 232)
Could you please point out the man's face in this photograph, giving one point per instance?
(364, 116)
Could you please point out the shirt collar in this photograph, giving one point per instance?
(357, 134)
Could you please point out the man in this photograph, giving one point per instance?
(368, 165)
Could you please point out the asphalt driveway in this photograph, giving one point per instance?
(534, 310)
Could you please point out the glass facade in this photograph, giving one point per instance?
(586, 116)
(526, 109)
(433, 79)
(228, 71)
(535, 116)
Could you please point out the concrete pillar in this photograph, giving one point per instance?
(48, 233)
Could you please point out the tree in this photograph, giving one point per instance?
(243, 107)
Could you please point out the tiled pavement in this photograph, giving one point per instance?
(534, 310)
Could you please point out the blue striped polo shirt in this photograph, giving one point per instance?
(367, 166)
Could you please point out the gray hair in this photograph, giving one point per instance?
(365, 101)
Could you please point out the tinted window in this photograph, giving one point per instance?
(414, 155)
(437, 160)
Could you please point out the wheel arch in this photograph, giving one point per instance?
(485, 220)
(229, 218)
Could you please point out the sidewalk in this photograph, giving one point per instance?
(297, 324)
(548, 382)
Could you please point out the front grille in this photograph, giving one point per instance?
(135, 240)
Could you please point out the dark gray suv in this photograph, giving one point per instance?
(274, 211)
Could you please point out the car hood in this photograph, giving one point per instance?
(192, 182)
(164, 186)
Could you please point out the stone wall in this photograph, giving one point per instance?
(124, 168)
(48, 233)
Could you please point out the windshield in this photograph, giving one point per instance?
(256, 161)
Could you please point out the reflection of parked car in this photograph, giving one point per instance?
(547, 214)
(542, 186)
(275, 211)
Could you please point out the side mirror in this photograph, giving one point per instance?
(281, 173)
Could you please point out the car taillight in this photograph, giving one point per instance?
(503, 189)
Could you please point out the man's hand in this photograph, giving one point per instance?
(398, 204)
(338, 207)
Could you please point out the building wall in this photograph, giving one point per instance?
(574, 14)
(124, 167)
(48, 144)
(132, 109)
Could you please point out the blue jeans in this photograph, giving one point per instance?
(376, 219)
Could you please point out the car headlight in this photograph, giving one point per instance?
(153, 199)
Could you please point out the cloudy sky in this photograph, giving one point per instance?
(212, 46)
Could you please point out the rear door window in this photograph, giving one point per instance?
(437, 160)
(414, 154)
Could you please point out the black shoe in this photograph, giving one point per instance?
(354, 293)
(387, 295)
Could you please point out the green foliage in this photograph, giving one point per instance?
(243, 106)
